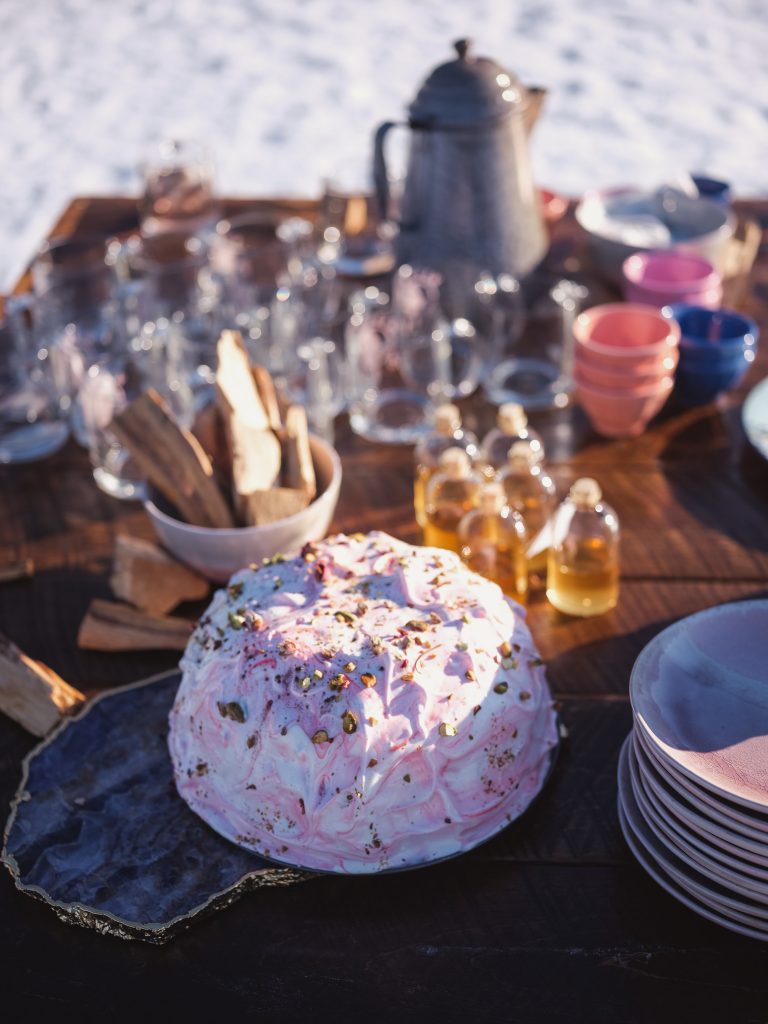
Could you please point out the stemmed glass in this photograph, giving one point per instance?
(31, 424)
(75, 315)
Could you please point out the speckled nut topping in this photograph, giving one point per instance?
(364, 706)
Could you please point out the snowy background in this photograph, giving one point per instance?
(287, 92)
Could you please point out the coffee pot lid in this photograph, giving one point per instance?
(467, 91)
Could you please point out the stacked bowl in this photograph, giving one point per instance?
(693, 774)
(717, 347)
(625, 356)
(660, 277)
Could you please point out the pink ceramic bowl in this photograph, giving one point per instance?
(552, 206)
(660, 277)
(627, 366)
(625, 378)
(623, 333)
(625, 412)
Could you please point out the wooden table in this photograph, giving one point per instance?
(551, 921)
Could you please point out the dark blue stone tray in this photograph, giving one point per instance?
(98, 832)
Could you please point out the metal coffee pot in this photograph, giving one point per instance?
(469, 194)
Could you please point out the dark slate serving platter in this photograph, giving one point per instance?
(98, 832)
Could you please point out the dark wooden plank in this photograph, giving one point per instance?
(496, 942)
(595, 655)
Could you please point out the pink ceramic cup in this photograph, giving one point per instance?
(625, 412)
(662, 277)
(625, 378)
(622, 334)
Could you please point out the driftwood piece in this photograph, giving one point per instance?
(209, 430)
(276, 503)
(172, 459)
(145, 576)
(31, 693)
(265, 386)
(299, 468)
(254, 449)
(110, 626)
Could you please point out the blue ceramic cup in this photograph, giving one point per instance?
(712, 188)
(712, 333)
(717, 347)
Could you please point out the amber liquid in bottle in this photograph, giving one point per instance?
(502, 562)
(420, 481)
(583, 562)
(530, 491)
(452, 492)
(587, 581)
(448, 434)
(443, 517)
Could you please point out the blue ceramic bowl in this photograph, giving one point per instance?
(696, 386)
(703, 361)
(713, 334)
(713, 189)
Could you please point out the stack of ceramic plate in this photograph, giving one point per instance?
(693, 774)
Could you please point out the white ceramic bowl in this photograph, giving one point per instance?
(708, 233)
(217, 554)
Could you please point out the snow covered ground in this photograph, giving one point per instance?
(286, 91)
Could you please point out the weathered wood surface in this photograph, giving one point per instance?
(552, 921)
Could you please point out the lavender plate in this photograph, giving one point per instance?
(709, 888)
(732, 815)
(700, 691)
(701, 859)
(654, 858)
(754, 417)
(98, 832)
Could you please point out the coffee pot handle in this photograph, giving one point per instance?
(380, 178)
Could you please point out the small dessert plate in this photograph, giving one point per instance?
(730, 877)
(692, 818)
(634, 827)
(700, 691)
(711, 889)
(729, 814)
(754, 417)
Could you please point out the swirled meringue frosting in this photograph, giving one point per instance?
(367, 705)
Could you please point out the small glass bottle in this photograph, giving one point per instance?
(448, 433)
(493, 540)
(583, 570)
(451, 493)
(511, 426)
(529, 490)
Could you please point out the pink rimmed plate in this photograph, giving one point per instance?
(700, 691)
(733, 815)
(633, 826)
(728, 875)
(688, 814)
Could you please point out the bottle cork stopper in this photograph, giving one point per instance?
(585, 492)
(447, 418)
(511, 418)
(524, 453)
(455, 463)
(492, 499)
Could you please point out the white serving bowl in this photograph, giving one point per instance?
(217, 554)
(708, 229)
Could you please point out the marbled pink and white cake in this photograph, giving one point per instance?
(364, 706)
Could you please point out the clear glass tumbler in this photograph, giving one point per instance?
(178, 189)
(31, 423)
